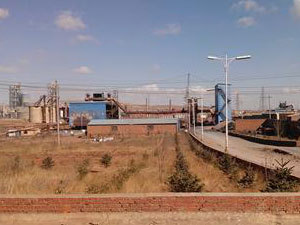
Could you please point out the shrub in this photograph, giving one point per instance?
(106, 160)
(248, 179)
(184, 182)
(82, 169)
(200, 151)
(281, 179)
(181, 164)
(48, 163)
(93, 189)
(16, 164)
(60, 189)
(227, 164)
(145, 156)
(124, 174)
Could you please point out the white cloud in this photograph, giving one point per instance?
(254, 6)
(296, 8)
(249, 5)
(198, 89)
(170, 29)
(4, 13)
(246, 21)
(8, 69)
(67, 21)
(144, 88)
(150, 87)
(86, 38)
(82, 70)
(290, 90)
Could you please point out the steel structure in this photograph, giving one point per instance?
(16, 97)
(220, 104)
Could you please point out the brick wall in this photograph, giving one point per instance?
(126, 130)
(248, 125)
(263, 203)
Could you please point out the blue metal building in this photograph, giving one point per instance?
(220, 103)
(81, 113)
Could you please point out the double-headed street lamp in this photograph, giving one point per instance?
(226, 62)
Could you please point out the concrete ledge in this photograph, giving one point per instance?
(161, 202)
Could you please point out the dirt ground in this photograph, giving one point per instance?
(215, 218)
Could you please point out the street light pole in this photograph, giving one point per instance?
(194, 119)
(226, 102)
(189, 115)
(202, 130)
(57, 112)
(226, 62)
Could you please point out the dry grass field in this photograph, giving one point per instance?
(138, 165)
(77, 167)
(214, 179)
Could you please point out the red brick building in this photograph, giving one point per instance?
(126, 127)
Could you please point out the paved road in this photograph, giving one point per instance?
(253, 152)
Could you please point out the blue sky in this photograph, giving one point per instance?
(139, 43)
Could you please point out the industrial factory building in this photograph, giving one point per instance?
(42, 114)
(126, 127)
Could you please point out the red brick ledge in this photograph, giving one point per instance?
(164, 202)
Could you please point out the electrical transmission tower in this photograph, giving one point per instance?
(262, 99)
(52, 101)
(16, 96)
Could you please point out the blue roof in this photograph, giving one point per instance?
(89, 102)
(133, 121)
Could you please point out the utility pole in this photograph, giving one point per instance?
(57, 112)
(148, 103)
(202, 129)
(147, 107)
(170, 104)
(187, 100)
(269, 103)
(189, 114)
(187, 92)
(194, 119)
(226, 68)
(237, 101)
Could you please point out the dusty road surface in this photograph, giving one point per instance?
(216, 218)
(257, 153)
